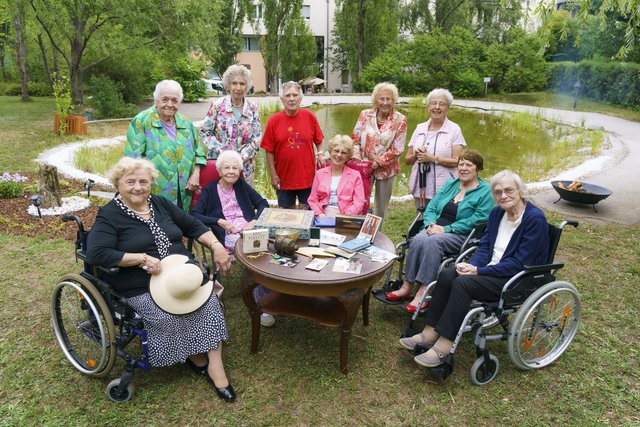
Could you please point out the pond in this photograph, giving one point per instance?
(530, 146)
(525, 143)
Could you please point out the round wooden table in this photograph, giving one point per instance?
(326, 297)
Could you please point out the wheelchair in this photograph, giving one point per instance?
(95, 325)
(466, 250)
(545, 316)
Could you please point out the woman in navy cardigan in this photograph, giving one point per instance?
(516, 235)
(229, 205)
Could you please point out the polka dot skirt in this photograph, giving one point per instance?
(172, 338)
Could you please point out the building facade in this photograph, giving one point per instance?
(319, 15)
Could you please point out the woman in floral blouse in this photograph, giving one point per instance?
(170, 141)
(232, 122)
(381, 132)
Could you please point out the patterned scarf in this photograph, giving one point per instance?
(160, 237)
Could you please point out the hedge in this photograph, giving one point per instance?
(611, 82)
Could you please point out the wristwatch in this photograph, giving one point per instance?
(436, 162)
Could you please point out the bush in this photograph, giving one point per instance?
(107, 98)
(610, 82)
(10, 190)
(34, 88)
(188, 73)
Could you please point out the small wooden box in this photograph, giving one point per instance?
(275, 219)
(255, 240)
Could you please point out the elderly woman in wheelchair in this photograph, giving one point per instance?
(142, 234)
(460, 203)
(517, 235)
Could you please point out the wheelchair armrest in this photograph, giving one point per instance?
(543, 268)
(108, 270)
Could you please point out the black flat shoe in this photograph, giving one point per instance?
(200, 370)
(227, 393)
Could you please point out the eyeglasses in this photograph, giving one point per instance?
(507, 191)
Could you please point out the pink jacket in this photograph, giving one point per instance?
(350, 191)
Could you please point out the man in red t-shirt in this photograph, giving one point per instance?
(289, 140)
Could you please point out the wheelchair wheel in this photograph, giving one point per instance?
(545, 325)
(112, 391)
(83, 326)
(483, 372)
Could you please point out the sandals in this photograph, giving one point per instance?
(410, 343)
(428, 360)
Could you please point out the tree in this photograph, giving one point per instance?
(624, 12)
(21, 48)
(234, 14)
(283, 23)
(103, 29)
(357, 43)
(297, 60)
(5, 25)
(488, 20)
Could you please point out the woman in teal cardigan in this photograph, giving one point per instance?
(170, 141)
(449, 218)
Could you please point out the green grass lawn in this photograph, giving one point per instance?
(294, 378)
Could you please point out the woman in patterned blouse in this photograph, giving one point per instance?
(233, 122)
(381, 132)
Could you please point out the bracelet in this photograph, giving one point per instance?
(143, 263)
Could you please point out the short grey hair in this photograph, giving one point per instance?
(226, 157)
(287, 85)
(440, 93)
(237, 70)
(167, 85)
(342, 141)
(505, 175)
(384, 87)
(127, 165)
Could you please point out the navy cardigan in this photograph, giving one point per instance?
(209, 208)
(529, 244)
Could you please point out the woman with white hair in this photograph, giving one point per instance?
(170, 141)
(517, 234)
(229, 205)
(233, 122)
(381, 132)
(434, 149)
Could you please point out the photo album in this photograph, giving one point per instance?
(365, 237)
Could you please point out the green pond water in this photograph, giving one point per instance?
(532, 147)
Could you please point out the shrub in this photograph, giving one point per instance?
(188, 73)
(39, 89)
(10, 190)
(107, 98)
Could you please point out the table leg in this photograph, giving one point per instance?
(351, 299)
(247, 284)
(365, 307)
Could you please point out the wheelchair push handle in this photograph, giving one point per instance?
(69, 217)
(566, 222)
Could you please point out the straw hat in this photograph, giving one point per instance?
(178, 289)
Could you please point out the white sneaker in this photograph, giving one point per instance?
(267, 320)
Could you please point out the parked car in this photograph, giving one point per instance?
(213, 83)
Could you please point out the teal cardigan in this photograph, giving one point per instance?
(475, 206)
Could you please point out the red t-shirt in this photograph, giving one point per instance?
(291, 140)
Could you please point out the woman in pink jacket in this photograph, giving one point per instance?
(337, 188)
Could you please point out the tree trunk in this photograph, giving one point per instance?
(45, 62)
(3, 44)
(361, 13)
(48, 186)
(21, 52)
(77, 50)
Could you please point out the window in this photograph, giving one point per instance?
(306, 11)
(345, 77)
(250, 44)
(258, 11)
